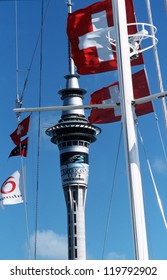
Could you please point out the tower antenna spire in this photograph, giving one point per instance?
(70, 60)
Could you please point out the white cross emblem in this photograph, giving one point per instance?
(99, 37)
(19, 129)
(114, 99)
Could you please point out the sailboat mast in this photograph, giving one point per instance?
(130, 139)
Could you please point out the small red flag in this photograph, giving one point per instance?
(89, 30)
(20, 131)
(110, 94)
(21, 149)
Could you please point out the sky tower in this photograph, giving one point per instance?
(73, 134)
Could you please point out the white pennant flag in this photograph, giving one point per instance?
(10, 190)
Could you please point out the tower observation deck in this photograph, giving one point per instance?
(73, 134)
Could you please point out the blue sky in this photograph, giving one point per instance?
(52, 227)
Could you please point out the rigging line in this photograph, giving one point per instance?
(33, 55)
(161, 139)
(153, 181)
(159, 131)
(166, 5)
(151, 253)
(112, 191)
(17, 63)
(26, 208)
(158, 68)
(155, 48)
(146, 211)
(25, 204)
(39, 134)
(18, 119)
(17, 60)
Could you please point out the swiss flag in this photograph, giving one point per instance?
(88, 30)
(20, 131)
(110, 94)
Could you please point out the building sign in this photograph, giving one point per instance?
(74, 168)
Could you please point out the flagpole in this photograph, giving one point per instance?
(130, 139)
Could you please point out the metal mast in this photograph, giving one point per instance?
(131, 147)
(73, 135)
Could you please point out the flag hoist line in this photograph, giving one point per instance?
(18, 104)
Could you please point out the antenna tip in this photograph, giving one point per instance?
(69, 3)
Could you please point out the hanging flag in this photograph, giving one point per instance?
(111, 94)
(10, 190)
(21, 149)
(89, 30)
(20, 131)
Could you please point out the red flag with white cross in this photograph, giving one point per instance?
(90, 31)
(111, 94)
(20, 131)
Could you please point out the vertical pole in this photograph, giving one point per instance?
(157, 63)
(131, 147)
(71, 63)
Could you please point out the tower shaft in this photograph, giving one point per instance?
(75, 202)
